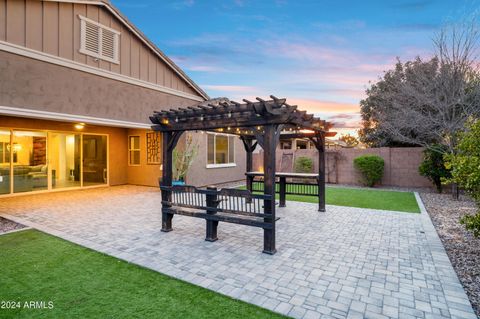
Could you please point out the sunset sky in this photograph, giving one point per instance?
(320, 55)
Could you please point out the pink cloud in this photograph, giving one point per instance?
(319, 106)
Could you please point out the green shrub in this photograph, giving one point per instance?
(472, 223)
(433, 165)
(371, 167)
(465, 170)
(303, 165)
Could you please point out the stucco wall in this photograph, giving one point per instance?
(117, 139)
(401, 165)
(144, 174)
(200, 175)
(32, 84)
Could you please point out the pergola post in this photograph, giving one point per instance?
(269, 147)
(169, 141)
(249, 148)
(320, 145)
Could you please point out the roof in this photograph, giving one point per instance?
(108, 5)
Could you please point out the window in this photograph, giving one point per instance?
(134, 150)
(220, 150)
(99, 41)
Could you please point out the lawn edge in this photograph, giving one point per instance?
(15, 230)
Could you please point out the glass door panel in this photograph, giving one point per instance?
(94, 150)
(30, 170)
(64, 160)
(4, 162)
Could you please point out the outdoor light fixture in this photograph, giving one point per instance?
(79, 126)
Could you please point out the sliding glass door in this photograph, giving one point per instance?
(64, 158)
(4, 162)
(39, 160)
(94, 159)
(29, 153)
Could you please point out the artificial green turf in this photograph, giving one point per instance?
(83, 283)
(362, 198)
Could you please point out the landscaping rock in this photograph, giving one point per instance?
(8, 225)
(462, 247)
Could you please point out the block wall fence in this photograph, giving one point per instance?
(401, 165)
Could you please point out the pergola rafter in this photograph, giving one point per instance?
(224, 114)
(262, 121)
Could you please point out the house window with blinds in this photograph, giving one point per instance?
(99, 41)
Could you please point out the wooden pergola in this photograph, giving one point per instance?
(259, 122)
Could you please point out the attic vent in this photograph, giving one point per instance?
(99, 41)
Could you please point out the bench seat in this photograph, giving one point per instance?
(221, 217)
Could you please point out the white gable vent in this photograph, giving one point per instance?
(99, 41)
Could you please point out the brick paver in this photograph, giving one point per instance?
(345, 263)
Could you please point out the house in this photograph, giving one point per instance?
(78, 82)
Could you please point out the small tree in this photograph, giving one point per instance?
(183, 159)
(433, 165)
(371, 167)
(303, 165)
(465, 170)
(349, 140)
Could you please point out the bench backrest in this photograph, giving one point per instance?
(226, 200)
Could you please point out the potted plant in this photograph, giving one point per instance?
(183, 159)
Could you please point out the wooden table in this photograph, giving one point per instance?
(296, 188)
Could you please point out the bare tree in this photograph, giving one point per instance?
(421, 103)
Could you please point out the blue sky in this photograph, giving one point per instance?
(320, 55)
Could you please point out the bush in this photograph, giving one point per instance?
(303, 165)
(433, 165)
(472, 223)
(371, 167)
(465, 170)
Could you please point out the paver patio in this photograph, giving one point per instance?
(345, 263)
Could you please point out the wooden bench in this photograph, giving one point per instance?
(225, 205)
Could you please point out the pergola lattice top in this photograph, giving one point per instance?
(221, 114)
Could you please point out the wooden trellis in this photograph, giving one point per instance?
(259, 122)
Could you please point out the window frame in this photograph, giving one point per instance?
(139, 150)
(99, 55)
(215, 165)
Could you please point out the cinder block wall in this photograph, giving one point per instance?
(401, 165)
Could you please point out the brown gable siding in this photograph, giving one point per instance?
(3, 22)
(54, 28)
(34, 25)
(65, 16)
(15, 18)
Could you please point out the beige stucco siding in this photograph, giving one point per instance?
(143, 174)
(200, 175)
(54, 28)
(31, 84)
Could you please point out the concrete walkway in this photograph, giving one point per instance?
(345, 263)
